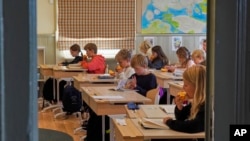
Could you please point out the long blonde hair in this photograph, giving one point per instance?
(196, 75)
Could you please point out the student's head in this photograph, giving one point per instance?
(204, 45)
(123, 57)
(145, 45)
(157, 52)
(75, 49)
(183, 55)
(91, 49)
(198, 56)
(195, 86)
(140, 63)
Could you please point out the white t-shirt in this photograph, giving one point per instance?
(127, 72)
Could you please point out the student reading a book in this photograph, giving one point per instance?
(142, 80)
(75, 50)
(158, 59)
(96, 64)
(190, 118)
(124, 70)
(184, 57)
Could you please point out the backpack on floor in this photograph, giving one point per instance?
(72, 99)
(48, 89)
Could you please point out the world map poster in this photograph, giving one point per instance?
(174, 16)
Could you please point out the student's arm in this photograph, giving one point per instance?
(189, 126)
(157, 64)
(76, 60)
(182, 114)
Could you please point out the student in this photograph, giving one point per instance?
(124, 70)
(97, 63)
(204, 45)
(142, 80)
(199, 57)
(184, 57)
(74, 51)
(190, 118)
(145, 48)
(158, 58)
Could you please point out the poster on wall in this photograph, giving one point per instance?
(174, 16)
(150, 40)
(202, 43)
(176, 42)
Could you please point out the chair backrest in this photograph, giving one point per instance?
(153, 94)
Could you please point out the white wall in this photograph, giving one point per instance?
(46, 27)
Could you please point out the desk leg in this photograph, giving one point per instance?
(168, 96)
(103, 127)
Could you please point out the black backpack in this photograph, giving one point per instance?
(72, 99)
(48, 89)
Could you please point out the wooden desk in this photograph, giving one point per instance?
(58, 72)
(175, 87)
(64, 72)
(110, 106)
(164, 77)
(46, 70)
(128, 132)
(92, 80)
(163, 80)
(134, 131)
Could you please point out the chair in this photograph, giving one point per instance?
(153, 94)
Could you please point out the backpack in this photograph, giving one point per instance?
(72, 99)
(48, 89)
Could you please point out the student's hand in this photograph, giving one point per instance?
(151, 58)
(85, 57)
(166, 119)
(131, 83)
(178, 100)
(170, 68)
(119, 69)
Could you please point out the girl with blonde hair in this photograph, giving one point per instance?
(145, 48)
(190, 118)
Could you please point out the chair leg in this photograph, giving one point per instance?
(78, 129)
(82, 138)
(60, 114)
(56, 109)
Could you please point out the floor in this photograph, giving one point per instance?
(62, 123)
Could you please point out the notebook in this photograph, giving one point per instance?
(152, 123)
(153, 112)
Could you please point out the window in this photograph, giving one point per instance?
(110, 24)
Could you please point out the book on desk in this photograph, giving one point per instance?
(152, 123)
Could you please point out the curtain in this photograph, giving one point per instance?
(110, 24)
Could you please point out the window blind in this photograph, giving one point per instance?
(110, 24)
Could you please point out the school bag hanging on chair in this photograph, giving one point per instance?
(71, 100)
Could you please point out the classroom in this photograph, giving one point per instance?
(51, 49)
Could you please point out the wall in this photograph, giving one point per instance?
(46, 27)
(191, 41)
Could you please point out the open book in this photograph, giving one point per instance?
(169, 109)
(152, 123)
